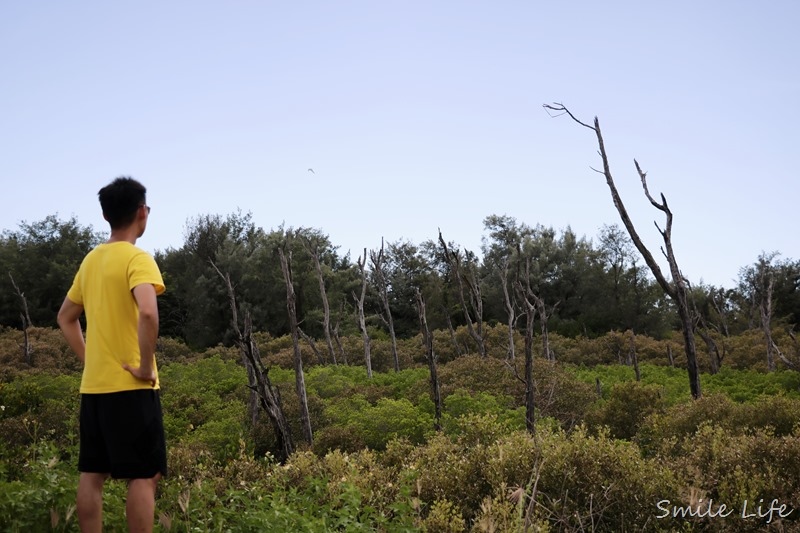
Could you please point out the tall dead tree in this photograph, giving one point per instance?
(634, 356)
(544, 318)
(525, 292)
(312, 344)
(362, 323)
(336, 338)
(312, 248)
(261, 390)
(511, 307)
(451, 330)
(27, 347)
(677, 288)
(291, 307)
(702, 329)
(432, 360)
(766, 287)
(470, 279)
(378, 261)
(766, 311)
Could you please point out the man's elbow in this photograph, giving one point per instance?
(64, 319)
(149, 316)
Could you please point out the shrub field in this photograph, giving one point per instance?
(609, 453)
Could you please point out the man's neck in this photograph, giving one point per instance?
(129, 234)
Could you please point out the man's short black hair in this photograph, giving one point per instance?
(120, 199)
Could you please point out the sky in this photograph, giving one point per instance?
(415, 116)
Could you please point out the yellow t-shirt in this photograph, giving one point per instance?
(103, 286)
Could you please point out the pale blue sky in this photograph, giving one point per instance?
(414, 116)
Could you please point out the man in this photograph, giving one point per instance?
(121, 429)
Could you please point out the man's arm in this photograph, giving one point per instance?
(69, 321)
(145, 296)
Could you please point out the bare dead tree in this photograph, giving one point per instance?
(511, 307)
(766, 280)
(795, 343)
(452, 331)
(27, 347)
(362, 323)
(378, 261)
(299, 376)
(677, 288)
(544, 318)
(313, 250)
(702, 329)
(525, 292)
(432, 359)
(312, 344)
(766, 310)
(722, 313)
(635, 357)
(336, 338)
(475, 331)
(261, 390)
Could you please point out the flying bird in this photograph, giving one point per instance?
(311, 170)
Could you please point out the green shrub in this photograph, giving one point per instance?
(627, 406)
(595, 479)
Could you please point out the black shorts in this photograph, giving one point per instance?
(122, 433)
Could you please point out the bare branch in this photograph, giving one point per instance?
(561, 109)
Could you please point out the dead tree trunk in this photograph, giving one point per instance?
(299, 376)
(311, 344)
(635, 357)
(336, 338)
(767, 281)
(714, 357)
(427, 339)
(313, 250)
(259, 384)
(544, 317)
(448, 321)
(362, 323)
(530, 389)
(511, 308)
(475, 331)
(27, 347)
(525, 293)
(677, 288)
(383, 292)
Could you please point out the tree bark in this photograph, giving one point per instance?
(449, 322)
(635, 357)
(261, 389)
(27, 347)
(362, 323)
(511, 310)
(313, 250)
(336, 338)
(476, 332)
(427, 339)
(312, 344)
(767, 282)
(525, 292)
(383, 292)
(677, 288)
(544, 317)
(299, 376)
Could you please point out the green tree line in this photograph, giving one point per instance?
(587, 287)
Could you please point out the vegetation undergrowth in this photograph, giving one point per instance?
(631, 456)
